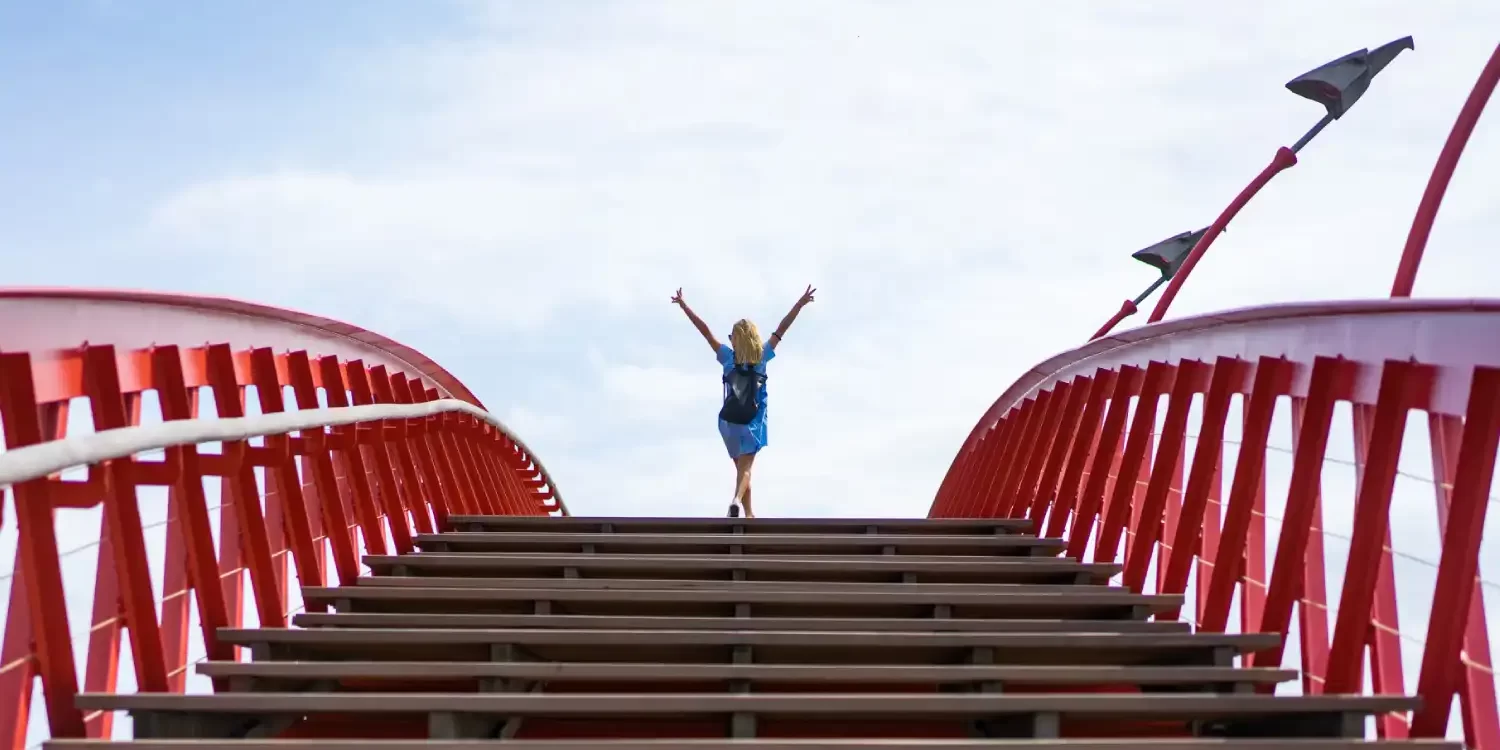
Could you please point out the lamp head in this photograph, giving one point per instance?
(1168, 255)
(1338, 84)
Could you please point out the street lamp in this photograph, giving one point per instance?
(1336, 85)
(1166, 256)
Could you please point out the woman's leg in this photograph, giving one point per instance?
(742, 464)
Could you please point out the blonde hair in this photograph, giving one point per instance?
(745, 339)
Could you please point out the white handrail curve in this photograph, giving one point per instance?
(40, 460)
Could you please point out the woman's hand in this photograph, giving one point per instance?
(807, 296)
(677, 298)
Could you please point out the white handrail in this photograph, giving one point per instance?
(40, 460)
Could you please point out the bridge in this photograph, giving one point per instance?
(312, 536)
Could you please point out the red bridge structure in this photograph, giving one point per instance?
(311, 536)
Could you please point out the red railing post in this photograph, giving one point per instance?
(1223, 381)
(1371, 522)
(1189, 380)
(1458, 566)
(298, 527)
(1329, 378)
(319, 466)
(245, 493)
(137, 597)
(388, 493)
(1269, 383)
(1090, 502)
(39, 571)
(398, 449)
(1027, 458)
(1082, 449)
(1157, 379)
(349, 444)
(177, 403)
(1067, 429)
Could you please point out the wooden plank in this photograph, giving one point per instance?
(955, 568)
(700, 646)
(1071, 600)
(728, 622)
(810, 673)
(657, 525)
(652, 584)
(1175, 743)
(1090, 706)
(539, 541)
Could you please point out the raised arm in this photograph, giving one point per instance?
(786, 322)
(698, 323)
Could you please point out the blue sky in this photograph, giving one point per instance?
(517, 188)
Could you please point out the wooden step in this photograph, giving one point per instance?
(1204, 678)
(883, 743)
(1085, 602)
(874, 568)
(721, 525)
(653, 584)
(625, 622)
(818, 544)
(769, 647)
(469, 715)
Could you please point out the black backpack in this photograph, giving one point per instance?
(742, 394)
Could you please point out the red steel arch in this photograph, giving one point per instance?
(1075, 444)
(326, 493)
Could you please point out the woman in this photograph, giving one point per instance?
(742, 421)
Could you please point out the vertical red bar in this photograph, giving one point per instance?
(1270, 381)
(176, 584)
(398, 449)
(1253, 577)
(1084, 438)
(1312, 419)
(1371, 522)
(16, 683)
(137, 597)
(438, 487)
(298, 527)
(1207, 546)
(388, 493)
(1022, 487)
(348, 443)
(462, 436)
(985, 467)
(1067, 428)
(450, 457)
(228, 398)
(1190, 378)
(1225, 378)
(102, 660)
(1458, 566)
(1158, 379)
(1104, 455)
(1384, 640)
(38, 557)
(177, 404)
(320, 467)
(1173, 513)
(490, 498)
(990, 497)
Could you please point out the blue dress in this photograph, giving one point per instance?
(743, 439)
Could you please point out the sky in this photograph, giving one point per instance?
(516, 189)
